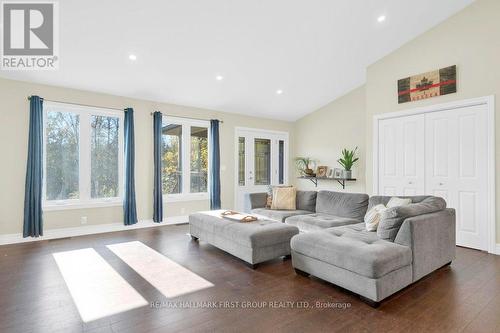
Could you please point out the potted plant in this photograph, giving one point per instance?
(347, 161)
(305, 165)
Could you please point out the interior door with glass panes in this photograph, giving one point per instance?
(262, 160)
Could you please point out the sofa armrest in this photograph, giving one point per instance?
(255, 200)
(431, 238)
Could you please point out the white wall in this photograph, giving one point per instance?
(470, 40)
(323, 134)
(14, 118)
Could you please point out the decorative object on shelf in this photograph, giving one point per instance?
(321, 171)
(347, 161)
(337, 173)
(427, 85)
(330, 173)
(305, 165)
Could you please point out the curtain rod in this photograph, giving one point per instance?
(175, 116)
(90, 106)
(105, 107)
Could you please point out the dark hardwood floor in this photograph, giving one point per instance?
(464, 296)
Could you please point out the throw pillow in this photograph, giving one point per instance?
(392, 218)
(373, 216)
(269, 200)
(284, 198)
(395, 202)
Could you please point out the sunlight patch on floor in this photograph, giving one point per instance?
(97, 289)
(170, 278)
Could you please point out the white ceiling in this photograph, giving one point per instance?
(314, 50)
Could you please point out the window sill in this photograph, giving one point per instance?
(81, 205)
(185, 197)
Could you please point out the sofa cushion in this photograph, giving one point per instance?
(306, 200)
(278, 215)
(354, 249)
(284, 198)
(393, 218)
(351, 205)
(318, 221)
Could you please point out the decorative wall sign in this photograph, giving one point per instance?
(427, 85)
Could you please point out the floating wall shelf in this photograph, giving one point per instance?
(341, 181)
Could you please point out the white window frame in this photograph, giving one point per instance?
(85, 200)
(186, 194)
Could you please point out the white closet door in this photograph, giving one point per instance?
(456, 168)
(401, 156)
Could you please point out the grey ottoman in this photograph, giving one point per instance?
(253, 242)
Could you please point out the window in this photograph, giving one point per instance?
(104, 156)
(172, 159)
(199, 159)
(262, 161)
(62, 156)
(83, 156)
(241, 161)
(281, 162)
(184, 159)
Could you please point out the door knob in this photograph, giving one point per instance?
(410, 183)
(441, 184)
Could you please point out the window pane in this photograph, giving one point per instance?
(199, 159)
(104, 156)
(62, 155)
(171, 159)
(281, 161)
(262, 161)
(241, 161)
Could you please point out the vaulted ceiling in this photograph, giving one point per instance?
(233, 55)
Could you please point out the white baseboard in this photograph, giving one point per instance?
(102, 228)
(89, 230)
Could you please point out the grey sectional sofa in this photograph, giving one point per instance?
(334, 245)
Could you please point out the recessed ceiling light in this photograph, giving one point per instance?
(381, 18)
(219, 77)
(132, 57)
(279, 92)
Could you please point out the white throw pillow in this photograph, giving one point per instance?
(373, 216)
(395, 202)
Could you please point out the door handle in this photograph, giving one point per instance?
(441, 184)
(410, 183)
